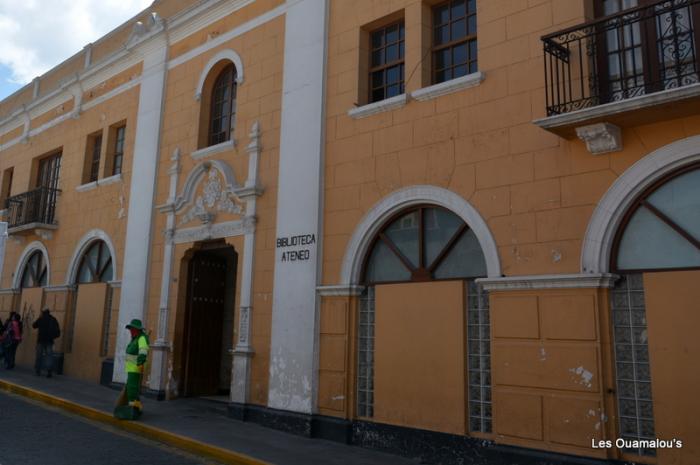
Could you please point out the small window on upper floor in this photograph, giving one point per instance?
(93, 154)
(386, 69)
(454, 40)
(222, 118)
(6, 191)
(116, 145)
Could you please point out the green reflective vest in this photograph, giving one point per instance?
(136, 353)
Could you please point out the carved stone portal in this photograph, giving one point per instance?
(213, 199)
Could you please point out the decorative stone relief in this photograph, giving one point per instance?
(214, 198)
(601, 138)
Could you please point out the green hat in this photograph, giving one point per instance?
(136, 324)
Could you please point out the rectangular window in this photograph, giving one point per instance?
(118, 156)
(454, 40)
(93, 153)
(386, 73)
(6, 186)
(49, 171)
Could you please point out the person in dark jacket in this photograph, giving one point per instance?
(13, 336)
(48, 331)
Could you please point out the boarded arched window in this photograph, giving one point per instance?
(423, 244)
(223, 106)
(34, 273)
(96, 264)
(662, 228)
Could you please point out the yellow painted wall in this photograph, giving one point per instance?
(672, 304)
(84, 360)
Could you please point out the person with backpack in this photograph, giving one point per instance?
(48, 331)
(13, 336)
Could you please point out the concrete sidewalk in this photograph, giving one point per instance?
(197, 425)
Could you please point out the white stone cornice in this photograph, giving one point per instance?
(549, 281)
(448, 87)
(339, 290)
(10, 291)
(207, 152)
(378, 107)
(59, 288)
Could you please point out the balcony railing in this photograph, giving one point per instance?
(36, 207)
(636, 52)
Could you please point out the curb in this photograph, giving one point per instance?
(181, 442)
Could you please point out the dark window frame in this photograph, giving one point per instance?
(384, 66)
(36, 270)
(452, 43)
(95, 155)
(648, 46)
(96, 274)
(222, 106)
(118, 154)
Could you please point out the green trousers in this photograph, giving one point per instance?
(133, 386)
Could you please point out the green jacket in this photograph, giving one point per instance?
(136, 354)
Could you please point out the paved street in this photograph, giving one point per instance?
(34, 434)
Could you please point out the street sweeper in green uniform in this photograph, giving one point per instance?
(129, 404)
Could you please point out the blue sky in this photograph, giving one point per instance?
(36, 35)
(7, 87)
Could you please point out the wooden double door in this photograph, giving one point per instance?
(204, 323)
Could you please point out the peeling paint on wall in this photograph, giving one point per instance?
(585, 376)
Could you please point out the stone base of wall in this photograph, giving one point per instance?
(426, 446)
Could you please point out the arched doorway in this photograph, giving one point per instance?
(90, 325)
(207, 331)
(656, 251)
(31, 278)
(422, 321)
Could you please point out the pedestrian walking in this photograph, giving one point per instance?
(13, 336)
(49, 330)
(129, 405)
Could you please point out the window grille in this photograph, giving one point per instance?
(365, 379)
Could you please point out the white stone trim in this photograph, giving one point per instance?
(181, 25)
(601, 138)
(110, 180)
(84, 243)
(86, 187)
(196, 175)
(10, 291)
(294, 341)
(59, 288)
(223, 55)
(339, 290)
(207, 152)
(606, 218)
(36, 245)
(549, 281)
(378, 107)
(448, 87)
(115, 284)
(214, 231)
(375, 218)
(227, 36)
(579, 117)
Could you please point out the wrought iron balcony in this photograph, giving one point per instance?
(35, 209)
(638, 52)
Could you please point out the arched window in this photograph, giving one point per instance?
(423, 244)
(96, 264)
(35, 271)
(223, 106)
(662, 228)
(428, 243)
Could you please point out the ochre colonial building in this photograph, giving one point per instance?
(456, 230)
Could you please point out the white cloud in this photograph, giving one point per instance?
(36, 35)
